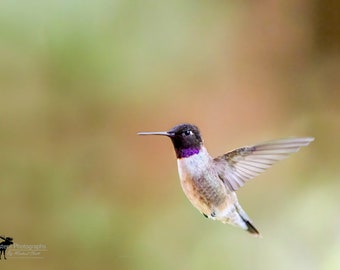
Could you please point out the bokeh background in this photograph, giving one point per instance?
(79, 79)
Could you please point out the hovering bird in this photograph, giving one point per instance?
(210, 183)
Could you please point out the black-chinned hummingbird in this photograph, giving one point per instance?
(210, 183)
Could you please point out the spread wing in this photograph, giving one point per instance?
(238, 166)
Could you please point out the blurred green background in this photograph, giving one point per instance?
(79, 79)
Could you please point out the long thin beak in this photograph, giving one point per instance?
(162, 133)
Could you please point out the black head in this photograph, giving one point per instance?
(186, 139)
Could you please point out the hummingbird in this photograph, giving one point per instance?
(210, 183)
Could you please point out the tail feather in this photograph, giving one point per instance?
(249, 226)
(251, 229)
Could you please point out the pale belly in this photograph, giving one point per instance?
(203, 188)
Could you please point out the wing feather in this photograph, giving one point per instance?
(238, 166)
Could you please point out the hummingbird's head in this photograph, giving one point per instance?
(186, 139)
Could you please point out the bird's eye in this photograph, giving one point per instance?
(187, 133)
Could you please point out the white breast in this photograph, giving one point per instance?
(190, 168)
(195, 165)
(202, 185)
